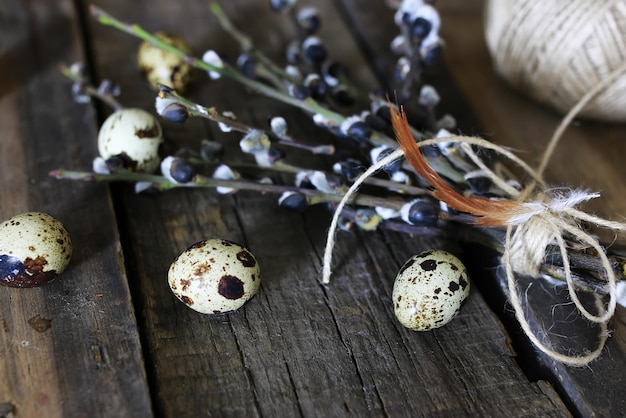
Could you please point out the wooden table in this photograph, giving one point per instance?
(108, 339)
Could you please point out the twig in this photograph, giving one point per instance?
(88, 89)
(313, 196)
(309, 105)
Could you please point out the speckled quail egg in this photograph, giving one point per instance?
(429, 290)
(136, 135)
(34, 249)
(163, 67)
(215, 276)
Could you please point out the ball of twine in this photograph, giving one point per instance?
(557, 50)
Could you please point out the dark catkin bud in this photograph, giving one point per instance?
(293, 53)
(211, 150)
(432, 55)
(421, 211)
(309, 19)
(380, 152)
(117, 162)
(182, 170)
(479, 185)
(274, 155)
(109, 88)
(147, 188)
(406, 18)
(164, 89)
(247, 65)
(446, 122)
(428, 97)
(344, 223)
(281, 5)
(375, 122)
(299, 91)
(431, 151)
(79, 93)
(316, 85)
(401, 70)
(177, 170)
(303, 181)
(360, 131)
(351, 169)
(175, 113)
(342, 96)
(333, 71)
(420, 28)
(293, 201)
(384, 112)
(314, 50)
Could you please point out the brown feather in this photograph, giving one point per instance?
(491, 212)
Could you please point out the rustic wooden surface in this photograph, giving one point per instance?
(109, 339)
(589, 156)
(71, 348)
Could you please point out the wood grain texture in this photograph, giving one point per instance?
(298, 348)
(69, 348)
(590, 155)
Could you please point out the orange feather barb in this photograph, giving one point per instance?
(490, 212)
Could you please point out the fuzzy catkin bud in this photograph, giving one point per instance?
(279, 126)
(213, 59)
(293, 201)
(175, 113)
(254, 141)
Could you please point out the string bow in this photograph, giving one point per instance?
(534, 219)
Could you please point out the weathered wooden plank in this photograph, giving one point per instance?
(589, 156)
(298, 348)
(69, 348)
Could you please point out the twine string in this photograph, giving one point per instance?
(330, 237)
(557, 51)
(397, 154)
(525, 248)
(575, 110)
(577, 360)
(497, 180)
(524, 240)
(544, 218)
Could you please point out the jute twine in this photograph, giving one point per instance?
(543, 217)
(557, 50)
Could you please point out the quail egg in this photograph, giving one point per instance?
(163, 67)
(429, 290)
(135, 135)
(34, 249)
(214, 276)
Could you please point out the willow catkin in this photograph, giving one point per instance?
(557, 50)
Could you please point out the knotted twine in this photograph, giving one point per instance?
(541, 217)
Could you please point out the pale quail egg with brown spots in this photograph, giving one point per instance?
(34, 249)
(163, 67)
(215, 276)
(134, 134)
(429, 290)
